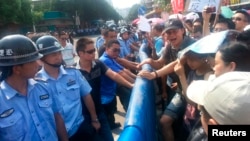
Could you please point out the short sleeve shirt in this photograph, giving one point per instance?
(108, 86)
(69, 88)
(170, 55)
(94, 79)
(29, 117)
(68, 54)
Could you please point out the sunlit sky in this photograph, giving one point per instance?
(124, 3)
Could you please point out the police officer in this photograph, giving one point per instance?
(69, 87)
(28, 111)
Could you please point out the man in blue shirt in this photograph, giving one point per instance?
(28, 110)
(69, 87)
(109, 86)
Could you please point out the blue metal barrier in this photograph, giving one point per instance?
(140, 121)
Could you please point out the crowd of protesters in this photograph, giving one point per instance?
(47, 95)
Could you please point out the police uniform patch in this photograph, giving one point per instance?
(7, 113)
(45, 96)
(71, 82)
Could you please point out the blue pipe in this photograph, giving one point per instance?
(140, 121)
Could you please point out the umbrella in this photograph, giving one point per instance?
(205, 46)
(156, 21)
(135, 21)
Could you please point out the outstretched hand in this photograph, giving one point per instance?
(146, 74)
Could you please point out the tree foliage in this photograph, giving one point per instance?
(87, 9)
(21, 12)
(133, 12)
(15, 11)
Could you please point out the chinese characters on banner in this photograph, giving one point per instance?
(198, 5)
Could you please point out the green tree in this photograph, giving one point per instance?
(15, 11)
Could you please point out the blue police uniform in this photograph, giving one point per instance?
(69, 88)
(30, 117)
(125, 47)
(108, 85)
(99, 42)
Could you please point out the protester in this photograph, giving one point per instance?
(200, 70)
(173, 115)
(69, 87)
(224, 100)
(158, 42)
(231, 57)
(241, 19)
(29, 110)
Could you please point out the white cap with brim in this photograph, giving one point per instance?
(226, 98)
(192, 16)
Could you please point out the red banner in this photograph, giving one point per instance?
(177, 5)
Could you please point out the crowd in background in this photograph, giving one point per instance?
(76, 100)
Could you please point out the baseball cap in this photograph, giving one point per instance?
(225, 98)
(173, 24)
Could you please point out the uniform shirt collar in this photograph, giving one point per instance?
(45, 76)
(9, 92)
(79, 67)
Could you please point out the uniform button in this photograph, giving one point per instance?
(37, 124)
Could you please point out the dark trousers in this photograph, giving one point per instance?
(109, 110)
(87, 132)
(124, 94)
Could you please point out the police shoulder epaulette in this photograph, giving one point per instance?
(40, 79)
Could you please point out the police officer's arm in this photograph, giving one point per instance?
(118, 78)
(60, 126)
(89, 103)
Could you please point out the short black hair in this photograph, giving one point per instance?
(82, 43)
(244, 12)
(244, 37)
(106, 32)
(230, 24)
(159, 27)
(111, 42)
(236, 52)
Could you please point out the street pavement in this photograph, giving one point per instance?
(120, 114)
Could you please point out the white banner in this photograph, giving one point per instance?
(198, 5)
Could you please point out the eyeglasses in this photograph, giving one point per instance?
(236, 19)
(90, 51)
(115, 50)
